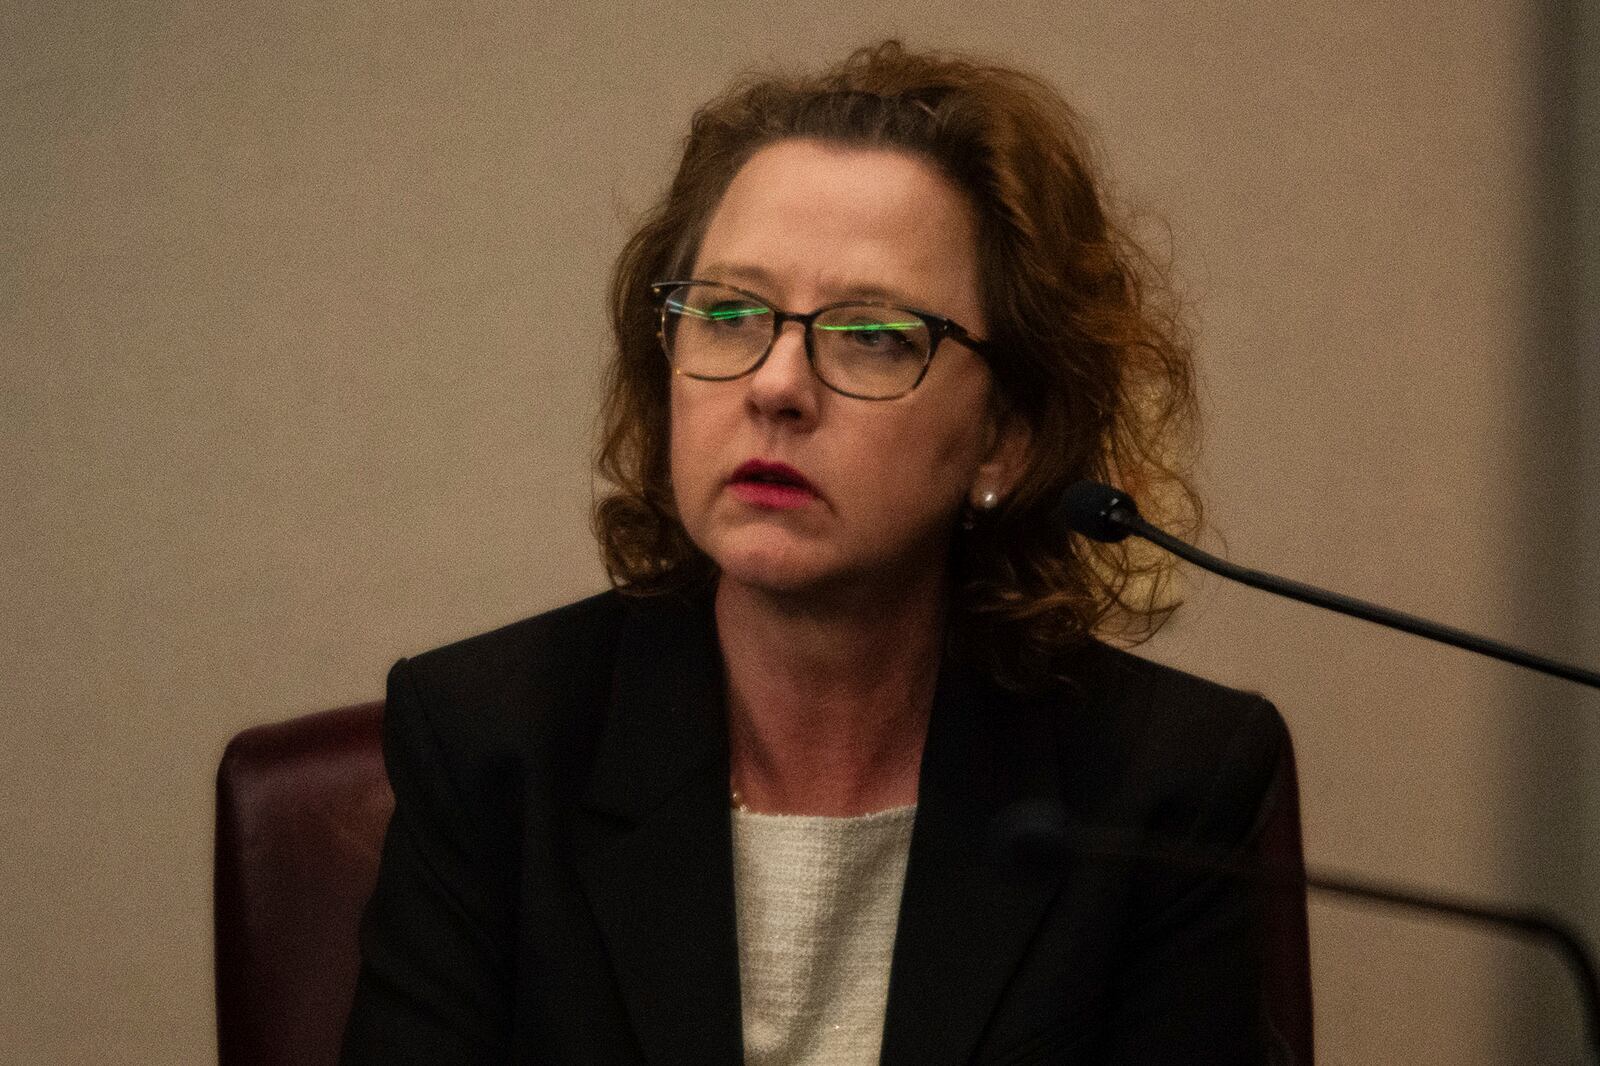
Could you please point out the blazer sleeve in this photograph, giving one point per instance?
(1191, 985)
(435, 984)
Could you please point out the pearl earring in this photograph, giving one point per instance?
(988, 500)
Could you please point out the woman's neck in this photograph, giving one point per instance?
(828, 700)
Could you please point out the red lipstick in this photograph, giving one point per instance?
(775, 485)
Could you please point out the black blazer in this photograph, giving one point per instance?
(557, 886)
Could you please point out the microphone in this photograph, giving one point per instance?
(1087, 507)
(1105, 514)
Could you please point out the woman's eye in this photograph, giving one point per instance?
(732, 315)
(880, 338)
(884, 337)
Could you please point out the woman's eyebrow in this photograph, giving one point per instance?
(735, 271)
(758, 278)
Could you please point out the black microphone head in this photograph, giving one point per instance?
(1086, 507)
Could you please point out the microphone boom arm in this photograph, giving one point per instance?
(1128, 519)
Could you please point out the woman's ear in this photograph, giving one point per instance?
(997, 475)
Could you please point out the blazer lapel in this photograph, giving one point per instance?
(966, 915)
(653, 844)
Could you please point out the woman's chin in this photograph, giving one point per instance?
(799, 578)
(775, 573)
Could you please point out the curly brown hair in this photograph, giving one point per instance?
(1085, 344)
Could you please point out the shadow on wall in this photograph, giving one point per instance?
(1556, 726)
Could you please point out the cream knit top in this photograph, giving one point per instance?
(817, 900)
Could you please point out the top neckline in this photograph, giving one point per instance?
(890, 814)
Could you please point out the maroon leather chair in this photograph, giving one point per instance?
(301, 811)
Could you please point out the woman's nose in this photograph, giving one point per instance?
(784, 386)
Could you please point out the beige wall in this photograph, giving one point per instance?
(300, 316)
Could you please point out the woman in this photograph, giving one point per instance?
(745, 807)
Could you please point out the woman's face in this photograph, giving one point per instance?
(803, 224)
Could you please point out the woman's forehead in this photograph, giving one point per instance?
(842, 222)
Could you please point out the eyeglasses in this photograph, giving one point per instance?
(870, 351)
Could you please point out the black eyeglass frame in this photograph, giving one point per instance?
(938, 326)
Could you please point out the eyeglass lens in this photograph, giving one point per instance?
(718, 333)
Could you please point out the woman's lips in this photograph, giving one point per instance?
(768, 484)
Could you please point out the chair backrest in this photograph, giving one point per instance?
(301, 811)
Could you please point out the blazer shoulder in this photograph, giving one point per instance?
(1146, 695)
(551, 640)
(1138, 677)
(486, 690)
(1183, 743)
